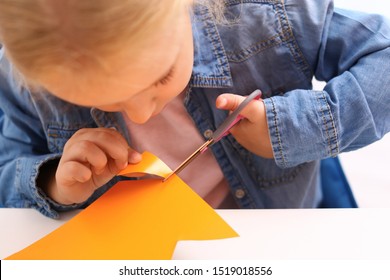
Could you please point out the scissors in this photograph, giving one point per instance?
(219, 133)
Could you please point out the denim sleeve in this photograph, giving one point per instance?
(351, 52)
(23, 149)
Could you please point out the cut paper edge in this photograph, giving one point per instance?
(135, 219)
(150, 164)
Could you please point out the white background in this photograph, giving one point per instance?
(368, 169)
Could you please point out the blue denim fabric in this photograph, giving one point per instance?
(275, 46)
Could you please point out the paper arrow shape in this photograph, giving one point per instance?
(136, 219)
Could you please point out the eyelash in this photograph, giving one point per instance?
(166, 79)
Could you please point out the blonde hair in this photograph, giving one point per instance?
(42, 34)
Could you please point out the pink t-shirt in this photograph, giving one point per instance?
(172, 136)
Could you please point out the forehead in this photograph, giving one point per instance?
(124, 74)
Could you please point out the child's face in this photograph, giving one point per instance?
(139, 87)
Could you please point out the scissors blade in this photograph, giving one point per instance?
(219, 133)
(190, 158)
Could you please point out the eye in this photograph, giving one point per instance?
(166, 79)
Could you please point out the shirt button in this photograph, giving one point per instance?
(240, 193)
(208, 133)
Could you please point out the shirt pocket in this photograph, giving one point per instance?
(250, 28)
(258, 39)
(58, 135)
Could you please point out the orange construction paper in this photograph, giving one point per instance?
(135, 219)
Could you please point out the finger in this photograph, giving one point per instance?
(252, 112)
(69, 177)
(72, 172)
(109, 141)
(133, 156)
(229, 101)
(86, 133)
(86, 151)
(115, 146)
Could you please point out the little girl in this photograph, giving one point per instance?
(107, 80)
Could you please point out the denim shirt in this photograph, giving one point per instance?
(273, 45)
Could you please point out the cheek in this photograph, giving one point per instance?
(167, 93)
(109, 108)
(178, 84)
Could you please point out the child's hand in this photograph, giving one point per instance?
(91, 157)
(252, 131)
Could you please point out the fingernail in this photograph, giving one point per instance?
(120, 164)
(221, 102)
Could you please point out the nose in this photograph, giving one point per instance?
(139, 114)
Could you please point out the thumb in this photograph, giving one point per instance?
(133, 156)
(228, 101)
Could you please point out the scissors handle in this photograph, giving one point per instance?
(234, 117)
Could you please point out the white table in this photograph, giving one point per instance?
(330, 234)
